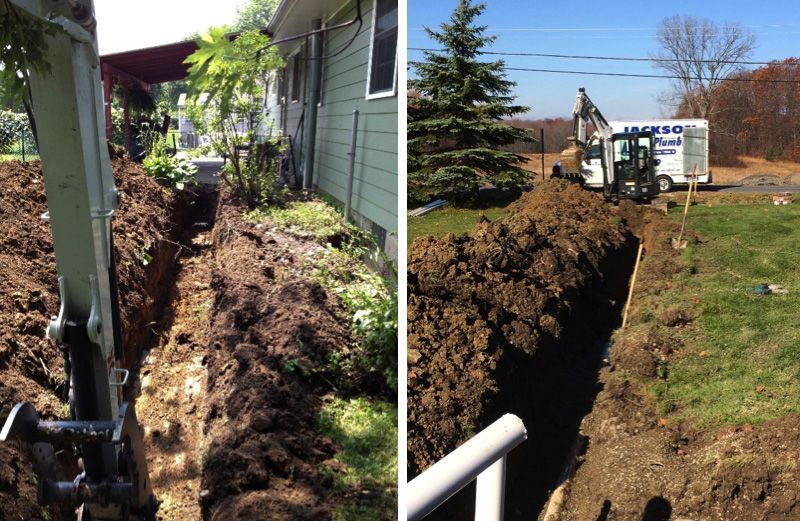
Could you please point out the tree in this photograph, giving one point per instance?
(255, 15)
(455, 114)
(225, 93)
(23, 48)
(700, 55)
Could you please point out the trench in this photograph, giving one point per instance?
(552, 391)
(170, 376)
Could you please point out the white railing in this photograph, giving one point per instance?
(483, 457)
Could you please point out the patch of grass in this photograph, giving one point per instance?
(749, 370)
(451, 220)
(370, 303)
(367, 433)
(313, 218)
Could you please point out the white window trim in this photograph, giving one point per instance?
(393, 91)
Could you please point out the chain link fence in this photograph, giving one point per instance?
(23, 148)
(16, 138)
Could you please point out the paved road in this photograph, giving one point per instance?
(207, 170)
(766, 189)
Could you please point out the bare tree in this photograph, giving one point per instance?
(700, 55)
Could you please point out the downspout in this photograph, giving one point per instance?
(310, 137)
(351, 167)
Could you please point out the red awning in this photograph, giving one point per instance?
(153, 64)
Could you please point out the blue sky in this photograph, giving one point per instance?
(611, 28)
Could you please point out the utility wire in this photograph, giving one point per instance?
(612, 58)
(742, 80)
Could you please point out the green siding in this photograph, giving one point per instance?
(344, 89)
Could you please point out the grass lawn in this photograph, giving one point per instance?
(741, 358)
(451, 220)
(367, 433)
(18, 157)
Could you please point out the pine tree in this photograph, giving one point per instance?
(455, 110)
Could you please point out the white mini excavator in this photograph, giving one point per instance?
(627, 159)
(112, 481)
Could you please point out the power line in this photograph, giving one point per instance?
(742, 80)
(611, 58)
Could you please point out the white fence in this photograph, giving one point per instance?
(483, 457)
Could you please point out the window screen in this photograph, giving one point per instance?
(384, 47)
(297, 69)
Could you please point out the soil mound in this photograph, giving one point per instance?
(485, 311)
(269, 329)
(30, 365)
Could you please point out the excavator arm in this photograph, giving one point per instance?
(81, 200)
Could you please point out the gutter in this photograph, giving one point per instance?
(273, 22)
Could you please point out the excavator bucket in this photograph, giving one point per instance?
(571, 159)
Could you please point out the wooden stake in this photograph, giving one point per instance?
(633, 283)
(686, 207)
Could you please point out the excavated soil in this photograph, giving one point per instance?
(514, 319)
(30, 365)
(227, 336)
(269, 329)
(171, 403)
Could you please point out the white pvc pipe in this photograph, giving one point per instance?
(490, 492)
(450, 474)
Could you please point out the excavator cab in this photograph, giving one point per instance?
(634, 167)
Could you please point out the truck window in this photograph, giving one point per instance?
(622, 150)
(594, 152)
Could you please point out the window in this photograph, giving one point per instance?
(383, 53)
(297, 78)
(594, 152)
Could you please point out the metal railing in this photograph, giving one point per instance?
(483, 457)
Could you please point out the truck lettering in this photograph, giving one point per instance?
(656, 130)
(663, 142)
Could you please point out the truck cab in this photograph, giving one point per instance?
(634, 167)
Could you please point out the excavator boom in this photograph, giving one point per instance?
(81, 200)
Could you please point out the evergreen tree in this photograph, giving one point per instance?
(455, 111)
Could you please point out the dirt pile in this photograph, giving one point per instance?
(512, 319)
(30, 365)
(270, 329)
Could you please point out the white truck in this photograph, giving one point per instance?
(679, 144)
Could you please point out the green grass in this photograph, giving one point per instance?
(18, 157)
(367, 433)
(751, 369)
(451, 220)
(310, 218)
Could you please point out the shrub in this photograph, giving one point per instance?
(12, 126)
(174, 172)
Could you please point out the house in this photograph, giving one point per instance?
(341, 57)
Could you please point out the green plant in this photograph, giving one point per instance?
(226, 90)
(23, 49)
(12, 126)
(143, 254)
(174, 172)
(457, 105)
(374, 309)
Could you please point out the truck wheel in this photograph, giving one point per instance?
(664, 183)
